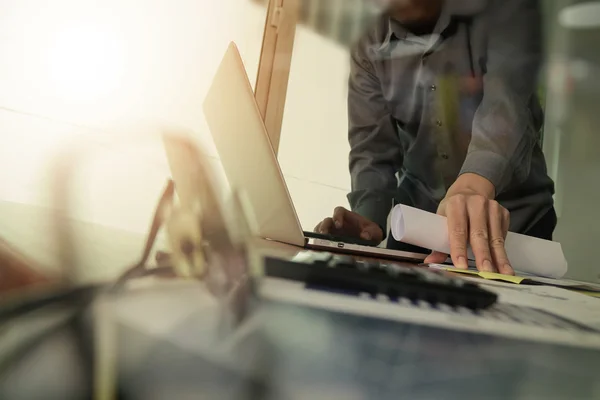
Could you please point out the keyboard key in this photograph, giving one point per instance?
(365, 267)
(397, 271)
(321, 258)
(342, 261)
(383, 298)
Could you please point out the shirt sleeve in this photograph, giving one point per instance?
(504, 135)
(375, 149)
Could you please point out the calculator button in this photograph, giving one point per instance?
(321, 258)
(342, 261)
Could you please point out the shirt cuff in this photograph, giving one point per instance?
(375, 207)
(489, 165)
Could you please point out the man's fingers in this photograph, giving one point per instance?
(326, 226)
(349, 223)
(497, 223)
(458, 228)
(505, 221)
(479, 238)
(371, 232)
(340, 214)
(436, 258)
(366, 235)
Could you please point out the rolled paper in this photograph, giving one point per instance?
(526, 254)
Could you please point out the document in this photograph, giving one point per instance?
(567, 304)
(525, 280)
(526, 254)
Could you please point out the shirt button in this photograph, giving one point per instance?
(433, 88)
(445, 156)
(438, 122)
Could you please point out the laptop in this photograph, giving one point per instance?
(251, 165)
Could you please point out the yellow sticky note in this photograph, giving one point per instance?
(487, 275)
(500, 277)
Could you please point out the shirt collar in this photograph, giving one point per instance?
(452, 8)
(394, 31)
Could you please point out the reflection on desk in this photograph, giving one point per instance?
(169, 347)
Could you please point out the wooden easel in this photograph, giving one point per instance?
(274, 66)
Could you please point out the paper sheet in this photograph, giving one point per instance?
(554, 300)
(526, 254)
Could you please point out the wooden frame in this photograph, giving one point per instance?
(274, 65)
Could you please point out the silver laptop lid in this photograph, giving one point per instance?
(246, 153)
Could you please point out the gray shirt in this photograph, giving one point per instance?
(425, 109)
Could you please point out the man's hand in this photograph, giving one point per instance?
(475, 218)
(350, 224)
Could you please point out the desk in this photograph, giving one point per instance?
(169, 348)
(103, 251)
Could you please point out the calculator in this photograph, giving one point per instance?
(347, 275)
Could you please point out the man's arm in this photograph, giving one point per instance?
(504, 135)
(375, 149)
(502, 141)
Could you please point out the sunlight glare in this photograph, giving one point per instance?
(86, 63)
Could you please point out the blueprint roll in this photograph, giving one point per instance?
(526, 254)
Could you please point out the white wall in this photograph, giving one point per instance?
(571, 139)
(80, 70)
(576, 163)
(314, 146)
(77, 70)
